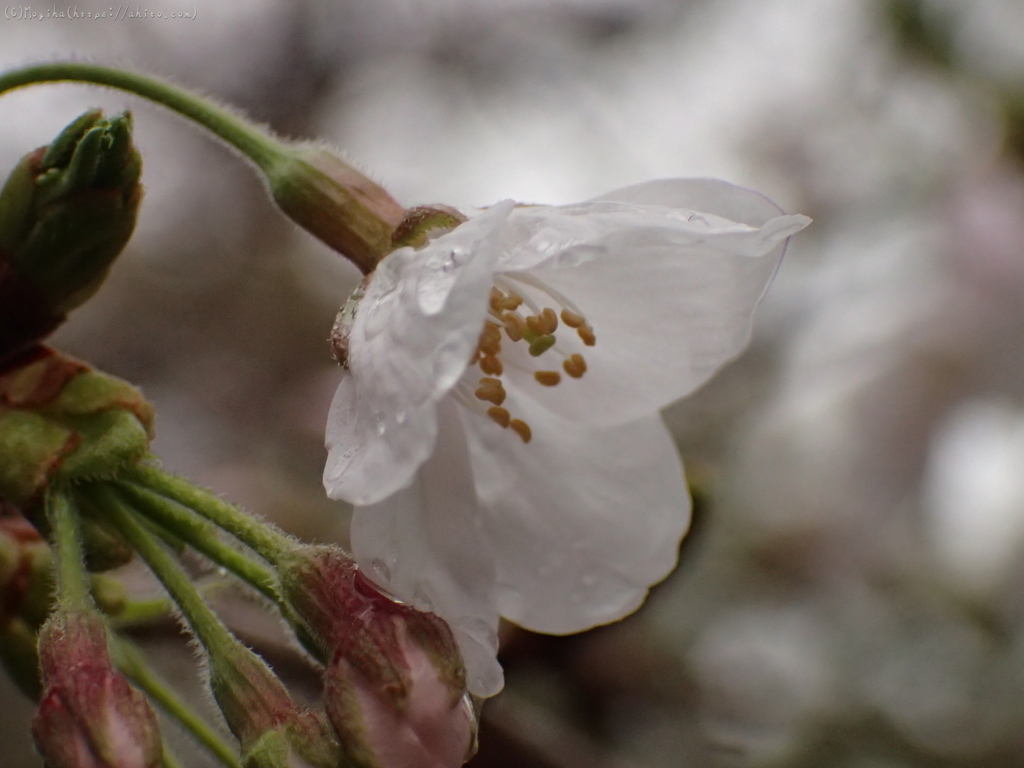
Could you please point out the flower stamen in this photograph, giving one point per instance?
(548, 378)
(571, 319)
(522, 429)
(514, 326)
(500, 416)
(491, 365)
(491, 389)
(537, 328)
(575, 365)
(541, 344)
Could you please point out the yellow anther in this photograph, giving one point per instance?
(533, 323)
(548, 378)
(572, 319)
(491, 390)
(491, 365)
(490, 338)
(491, 332)
(548, 321)
(541, 345)
(575, 365)
(514, 326)
(587, 334)
(512, 301)
(522, 429)
(499, 415)
(497, 300)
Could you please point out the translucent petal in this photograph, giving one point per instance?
(670, 300)
(425, 545)
(413, 334)
(367, 461)
(582, 520)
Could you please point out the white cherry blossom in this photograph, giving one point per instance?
(497, 427)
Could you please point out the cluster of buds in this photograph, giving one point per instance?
(394, 682)
(395, 685)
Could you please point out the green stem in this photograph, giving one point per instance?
(169, 760)
(204, 622)
(132, 663)
(201, 534)
(233, 129)
(73, 584)
(137, 612)
(269, 543)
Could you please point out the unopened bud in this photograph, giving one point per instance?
(66, 212)
(89, 716)
(59, 419)
(273, 731)
(103, 546)
(395, 690)
(335, 203)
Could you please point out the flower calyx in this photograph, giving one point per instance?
(334, 202)
(423, 223)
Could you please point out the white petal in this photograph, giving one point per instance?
(413, 334)
(582, 520)
(364, 462)
(426, 546)
(670, 301)
(721, 198)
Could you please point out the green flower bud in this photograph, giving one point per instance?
(273, 731)
(59, 419)
(104, 547)
(66, 212)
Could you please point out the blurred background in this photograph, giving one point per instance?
(850, 594)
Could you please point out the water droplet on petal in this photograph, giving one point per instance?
(421, 601)
(380, 569)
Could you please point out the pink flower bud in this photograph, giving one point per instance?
(89, 716)
(395, 684)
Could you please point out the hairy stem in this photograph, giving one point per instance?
(267, 541)
(204, 622)
(73, 584)
(201, 534)
(233, 129)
